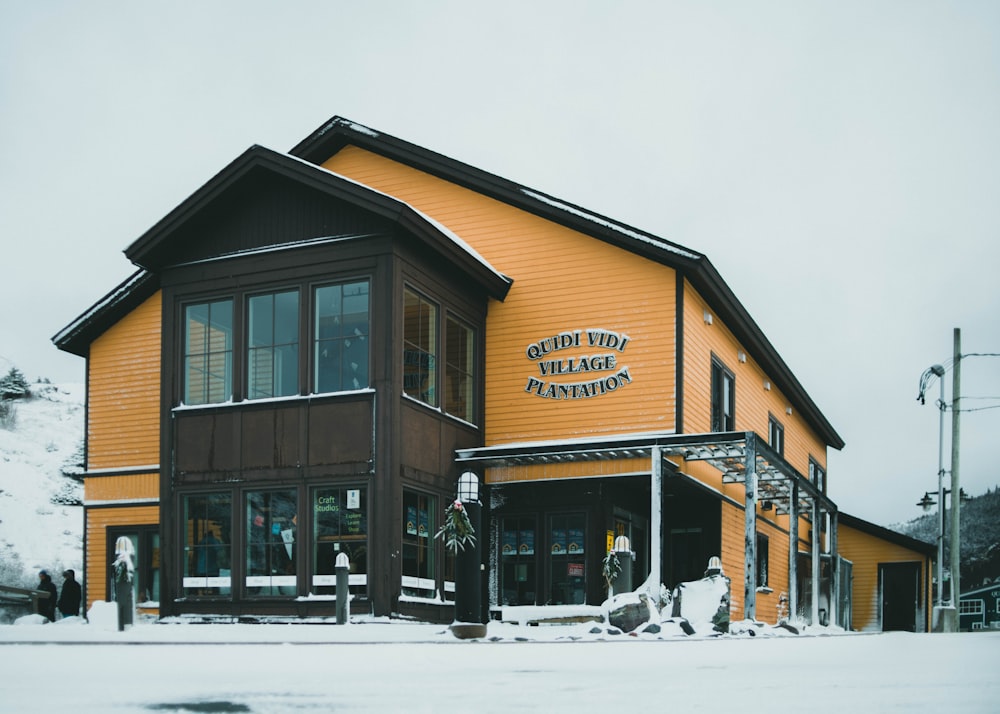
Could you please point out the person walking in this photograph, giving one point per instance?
(47, 606)
(69, 598)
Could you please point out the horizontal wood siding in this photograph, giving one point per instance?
(563, 281)
(866, 552)
(122, 488)
(569, 469)
(732, 556)
(98, 522)
(755, 403)
(123, 419)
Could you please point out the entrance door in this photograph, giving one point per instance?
(899, 584)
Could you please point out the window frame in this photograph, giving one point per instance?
(213, 585)
(326, 583)
(776, 435)
(466, 374)
(723, 410)
(343, 341)
(415, 354)
(273, 347)
(274, 546)
(423, 582)
(228, 355)
(817, 475)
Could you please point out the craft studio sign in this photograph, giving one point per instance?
(578, 364)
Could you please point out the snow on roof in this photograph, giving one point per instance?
(437, 225)
(605, 223)
(118, 293)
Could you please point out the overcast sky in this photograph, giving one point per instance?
(838, 162)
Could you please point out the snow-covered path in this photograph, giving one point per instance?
(306, 668)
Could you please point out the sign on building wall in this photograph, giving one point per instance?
(578, 364)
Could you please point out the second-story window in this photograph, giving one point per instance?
(208, 352)
(723, 398)
(340, 337)
(776, 435)
(817, 475)
(273, 345)
(420, 346)
(459, 370)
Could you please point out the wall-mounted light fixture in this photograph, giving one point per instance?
(767, 386)
(708, 317)
(788, 410)
(741, 356)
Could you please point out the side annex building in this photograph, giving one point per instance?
(316, 344)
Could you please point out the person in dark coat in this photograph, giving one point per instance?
(69, 598)
(47, 605)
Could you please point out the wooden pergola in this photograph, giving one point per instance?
(742, 458)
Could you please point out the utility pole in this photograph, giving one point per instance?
(956, 491)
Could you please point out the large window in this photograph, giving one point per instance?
(208, 533)
(518, 584)
(418, 544)
(723, 398)
(459, 370)
(567, 564)
(420, 345)
(271, 524)
(208, 352)
(273, 345)
(340, 337)
(340, 525)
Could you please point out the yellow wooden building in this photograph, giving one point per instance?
(316, 344)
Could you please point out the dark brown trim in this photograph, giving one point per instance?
(679, 351)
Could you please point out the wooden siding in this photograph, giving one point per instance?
(121, 488)
(123, 419)
(866, 552)
(754, 402)
(732, 555)
(98, 520)
(563, 281)
(569, 469)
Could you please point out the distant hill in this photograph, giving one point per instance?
(980, 533)
(41, 514)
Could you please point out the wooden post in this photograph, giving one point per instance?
(834, 570)
(817, 527)
(750, 530)
(656, 515)
(793, 553)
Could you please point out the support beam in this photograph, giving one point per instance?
(817, 534)
(750, 531)
(656, 516)
(793, 553)
(834, 570)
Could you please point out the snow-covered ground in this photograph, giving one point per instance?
(381, 666)
(47, 432)
(377, 665)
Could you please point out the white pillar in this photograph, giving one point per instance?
(656, 516)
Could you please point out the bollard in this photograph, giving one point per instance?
(342, 567)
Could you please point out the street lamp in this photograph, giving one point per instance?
(926, 502)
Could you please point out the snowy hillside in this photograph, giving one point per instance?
(38, 526)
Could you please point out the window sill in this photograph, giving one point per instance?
(765, 590)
